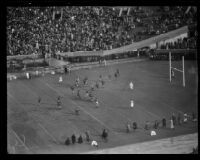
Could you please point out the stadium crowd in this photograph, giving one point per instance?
(84, 28)
(185, 43)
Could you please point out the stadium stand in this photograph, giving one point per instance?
(68, 29)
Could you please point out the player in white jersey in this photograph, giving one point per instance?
(27, 75)
(97, 103)
(132, 103)
(131, 85)
(60, 79)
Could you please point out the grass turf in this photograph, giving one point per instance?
(45, 128)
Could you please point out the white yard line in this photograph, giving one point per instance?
(47, 132)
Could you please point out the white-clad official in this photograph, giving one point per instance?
(131, 85)
(132, 103)
(60, 79)
(27, 75)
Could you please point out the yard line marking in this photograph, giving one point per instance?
(37, 122)
(47, 84)
(20, 139)
(47, 132)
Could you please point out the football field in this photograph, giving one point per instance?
(42, 128)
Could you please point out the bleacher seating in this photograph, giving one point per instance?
(67, 29)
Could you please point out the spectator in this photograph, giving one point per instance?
(128, 127)
(147, 125)
(73, 139)
(171, 124)
(156, 124)
(134, 126)
(179, 119)
(42, 30)
(80, 139)
(105, 135)
(174, 119)
(67, 142)
(87, 136)
(164, 123)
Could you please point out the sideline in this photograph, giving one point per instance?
(173, 145)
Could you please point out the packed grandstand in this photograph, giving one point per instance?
(93, 28)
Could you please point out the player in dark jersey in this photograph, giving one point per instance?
(39, 99)
(72, 88)
(59, 102)
(78, 93)
(117, 71)
(85, 81)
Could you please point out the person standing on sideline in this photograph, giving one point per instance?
(128, 127)
(87, 134)
(67, 142)
(185, 117)
(179, 118)
(80, 139)
(134, 126)
(156, 124)
(174, 119)
(171, 124)
(164, 123)
(73, 139)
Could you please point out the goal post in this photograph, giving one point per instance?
(170, 69)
